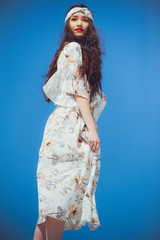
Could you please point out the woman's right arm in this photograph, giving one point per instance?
(93, 137)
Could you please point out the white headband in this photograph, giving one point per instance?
(85, 11)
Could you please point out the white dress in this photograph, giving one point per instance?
(68, 170)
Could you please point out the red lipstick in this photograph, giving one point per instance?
(79, 29)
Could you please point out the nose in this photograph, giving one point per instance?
(79, 22)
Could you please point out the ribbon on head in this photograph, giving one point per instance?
(84, 10)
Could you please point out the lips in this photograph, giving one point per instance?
(79, 29)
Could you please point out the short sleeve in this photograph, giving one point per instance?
(66, 81)
(72, 82)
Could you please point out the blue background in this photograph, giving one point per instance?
(128, 192)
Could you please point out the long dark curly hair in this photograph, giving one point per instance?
(91, 55)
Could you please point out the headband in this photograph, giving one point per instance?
(85, 11)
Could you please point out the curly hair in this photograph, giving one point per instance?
(91, 55)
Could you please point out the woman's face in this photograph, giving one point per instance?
(79, 24)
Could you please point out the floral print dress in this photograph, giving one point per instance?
(68, 170)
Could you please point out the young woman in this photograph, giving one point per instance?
(69, 156)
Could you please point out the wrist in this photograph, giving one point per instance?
(92, 129)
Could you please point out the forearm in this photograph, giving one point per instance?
(84, 106)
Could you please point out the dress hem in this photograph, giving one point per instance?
(91, 226)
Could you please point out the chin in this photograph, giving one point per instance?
(79, 35)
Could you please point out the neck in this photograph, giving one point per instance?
(80, 40)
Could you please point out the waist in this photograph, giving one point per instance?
(67, 107)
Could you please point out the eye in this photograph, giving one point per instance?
(86, 20)
(73, 19)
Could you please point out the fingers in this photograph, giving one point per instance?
(94, 145)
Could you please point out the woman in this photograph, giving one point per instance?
(69, 156)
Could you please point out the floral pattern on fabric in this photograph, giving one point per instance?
(68, 170)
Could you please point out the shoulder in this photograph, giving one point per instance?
(72, 47)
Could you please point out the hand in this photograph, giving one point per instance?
(93, 140)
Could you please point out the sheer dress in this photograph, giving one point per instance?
(68, 170)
